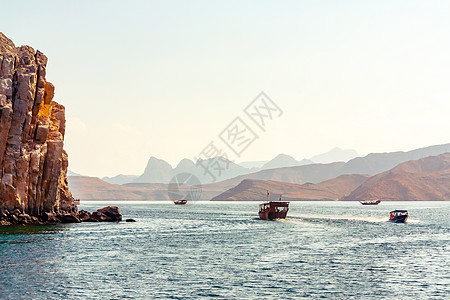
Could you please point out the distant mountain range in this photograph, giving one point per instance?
(333, 189)
(375, 163)
(93, 188)
(334, 155)
(283, 160)
(159, 171)
(424, 179)
(253, 164)
(70, 173)
(214, 169)
(313, 175)
(119, 179)
(371, 164)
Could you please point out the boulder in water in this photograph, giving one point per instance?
(111, 212)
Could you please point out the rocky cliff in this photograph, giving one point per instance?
(33, 163)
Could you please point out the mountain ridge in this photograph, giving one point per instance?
(335, 154)
(424, 179)
(313, 174)
(159, 171)
(254, 190)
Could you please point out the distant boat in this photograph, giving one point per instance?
(272, 210)
(398, 216)
(180, 202)
(370, 202)
(76, 201)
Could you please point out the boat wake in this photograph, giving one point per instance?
(344, 218)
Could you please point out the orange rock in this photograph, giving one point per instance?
(49, 92)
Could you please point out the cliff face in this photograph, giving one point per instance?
(33, 163)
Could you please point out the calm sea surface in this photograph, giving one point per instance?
(339, 250)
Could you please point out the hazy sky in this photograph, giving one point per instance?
(165, 78)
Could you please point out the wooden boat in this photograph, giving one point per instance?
(273, 210)
(180, 202)
(398, 216)
(370, 202)
(76, 201)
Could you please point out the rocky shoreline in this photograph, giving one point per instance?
(18, 217)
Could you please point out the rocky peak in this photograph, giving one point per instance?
(157, 171)
(281, 161)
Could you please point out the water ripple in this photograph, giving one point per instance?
(220, 250)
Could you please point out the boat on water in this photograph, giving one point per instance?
(398, 216)
(370, 202)
(180, 202)
(76, 201)
(273, 210)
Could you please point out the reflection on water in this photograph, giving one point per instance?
(323, 249)
(34, 229)
(20, 234)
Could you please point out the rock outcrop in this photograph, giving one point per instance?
(33, 163)
(105, 214)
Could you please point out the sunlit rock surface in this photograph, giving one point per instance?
(33, 163)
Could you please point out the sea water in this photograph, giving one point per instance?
(339, 250)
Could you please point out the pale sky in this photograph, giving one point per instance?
(165, 78)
